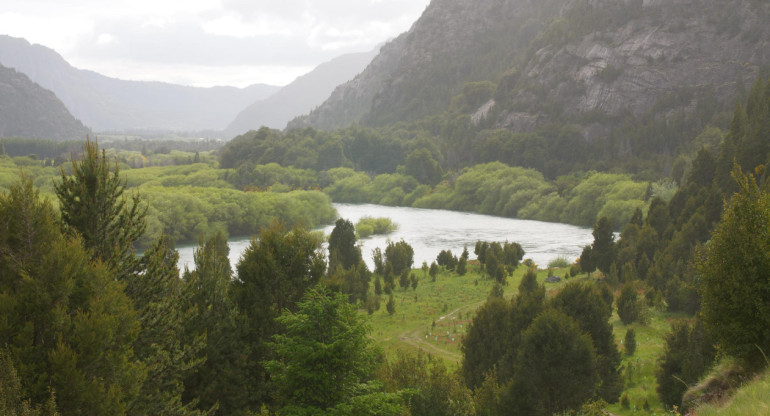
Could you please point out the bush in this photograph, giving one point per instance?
(560, 262)
(630, 342)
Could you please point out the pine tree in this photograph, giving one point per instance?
(162, 345)
(68, 323)
(222, 378)
(93, 203)
(273, 274)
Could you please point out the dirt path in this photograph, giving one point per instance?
(416, 340)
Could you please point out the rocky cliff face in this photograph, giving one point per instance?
(582, 61)
(29, 111)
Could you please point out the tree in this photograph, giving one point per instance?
(586, 260)
(207, 291)
(734, 268)
(403, 281)
(12, 402)
(584, 303)
(485, 342)
(628, 304)
(274, 272)
(342, 246)
(421, 166)
(400, 255)
(93, 203)
(603, 250)
(555, 368)
(391, 305)
(687, 355)
(433, 271)
(66, 320)
(630, 342)
(169, 355)
(323, 356)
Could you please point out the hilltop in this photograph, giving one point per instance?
(523, 65)
(30, 111)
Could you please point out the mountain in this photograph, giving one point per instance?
(111, 104)
(29, 111)
(526, 64)
(301, 96)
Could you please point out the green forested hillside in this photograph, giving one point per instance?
(27, 110)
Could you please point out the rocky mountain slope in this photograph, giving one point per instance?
(110, 104)
(522, 64)
(29, 111)
(301, 96)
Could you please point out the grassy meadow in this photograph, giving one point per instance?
(434, 318)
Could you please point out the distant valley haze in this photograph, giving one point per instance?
(195, 66)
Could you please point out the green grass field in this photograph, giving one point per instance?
(434, 317)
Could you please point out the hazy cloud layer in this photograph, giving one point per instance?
(207, 42)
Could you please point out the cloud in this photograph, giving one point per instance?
(159, 37)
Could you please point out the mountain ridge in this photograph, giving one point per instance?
(301, 96)
(574, 61)
(106, 103)
(27, 110)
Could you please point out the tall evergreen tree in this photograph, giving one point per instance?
(93, 203)
(734, 270)
(603, 250)
(162, 345)
(66, 320)
(221, 380)
(273, 275)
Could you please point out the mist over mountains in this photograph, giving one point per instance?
(104, 103)
(301, 96)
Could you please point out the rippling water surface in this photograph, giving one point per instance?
(429, 231)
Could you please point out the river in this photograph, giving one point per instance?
(429, 231)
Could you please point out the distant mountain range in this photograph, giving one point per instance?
(105, 103)
(29, 111)
(301, 96)
(527, 64)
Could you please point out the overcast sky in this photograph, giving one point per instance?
(207, 42)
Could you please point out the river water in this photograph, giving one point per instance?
(429, 231)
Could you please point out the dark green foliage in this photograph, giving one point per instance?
(585, 304)
(462, 266)
(629, 342)
(222, 378)
(556, 367)
(93, 204)
(628, 304)
(12, 402)
(400, 255)
(528, 282)
(446, 259)
(391, 305)
(435, 390)
(687, 355)
(342, 246)
(421, 165)
(66, 321)
(734, 270)
(603, 250)
(318, 369)
(403, 281)
(168, 353)
(433, 271)
(485, 342)
(273, 275)
(586, 260)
